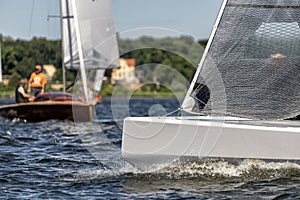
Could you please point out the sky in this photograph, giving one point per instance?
(24, 19)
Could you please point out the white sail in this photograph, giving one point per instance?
(89, 40)
(97, 32)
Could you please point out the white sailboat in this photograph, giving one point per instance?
(244, 91)
(89, 46)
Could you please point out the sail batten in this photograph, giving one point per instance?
(252, 65)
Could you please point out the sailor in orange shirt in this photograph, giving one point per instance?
(37, 81)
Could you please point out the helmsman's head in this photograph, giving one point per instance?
(38, 69)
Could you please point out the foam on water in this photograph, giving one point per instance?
(248, 169)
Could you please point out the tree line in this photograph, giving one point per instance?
(183, 54)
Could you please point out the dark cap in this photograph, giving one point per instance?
(23, 81)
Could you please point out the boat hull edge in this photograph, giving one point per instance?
(152, 141)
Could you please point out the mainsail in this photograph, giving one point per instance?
(251, 66)
(89, 38)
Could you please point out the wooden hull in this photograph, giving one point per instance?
(46, 110)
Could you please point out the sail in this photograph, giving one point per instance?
(251, 66)
(96, 32)
(89, 42)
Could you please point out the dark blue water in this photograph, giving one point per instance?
(64, 160)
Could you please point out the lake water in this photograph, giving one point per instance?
(64, 160)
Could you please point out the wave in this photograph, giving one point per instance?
(248, 169)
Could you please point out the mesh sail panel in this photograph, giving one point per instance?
(252, 66)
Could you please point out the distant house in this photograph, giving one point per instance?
(125, 74)
(5, 79)
(49, 71)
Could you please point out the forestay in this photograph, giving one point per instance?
(251, 67)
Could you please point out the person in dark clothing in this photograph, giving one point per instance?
(20, 93)
(201, 95)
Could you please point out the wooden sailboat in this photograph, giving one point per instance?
(251, 69)
(89, 46)
(45, 110)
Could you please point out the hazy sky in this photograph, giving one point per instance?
(27, 18)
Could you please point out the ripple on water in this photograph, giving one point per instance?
(62, 160)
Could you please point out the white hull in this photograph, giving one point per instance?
(151, 141)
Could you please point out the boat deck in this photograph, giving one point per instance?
(239, 121)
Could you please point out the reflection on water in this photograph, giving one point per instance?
(62, 160)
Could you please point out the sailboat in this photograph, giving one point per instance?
(89, 46)
(243, 98)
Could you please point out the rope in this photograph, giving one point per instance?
(174, 111)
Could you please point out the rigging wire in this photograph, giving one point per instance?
(51, 44)
(174, 111)
(31, 17)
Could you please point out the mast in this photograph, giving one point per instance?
(0, 65)
(63, 64)
(186, 104)
(62, 50)
(68, 17)
(80, 52)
